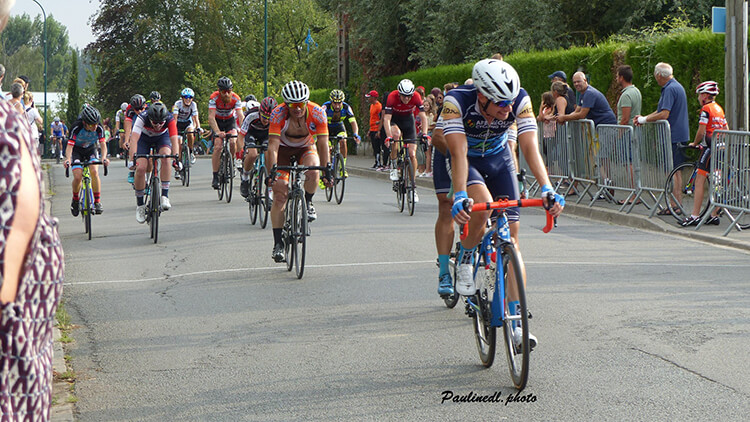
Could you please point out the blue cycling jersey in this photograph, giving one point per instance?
(57, 128)
(336, 118)
(461, 114)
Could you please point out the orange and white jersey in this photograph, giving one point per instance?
(315, 121)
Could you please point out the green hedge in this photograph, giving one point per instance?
(695, 55)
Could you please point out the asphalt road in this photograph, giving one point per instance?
(204, 326)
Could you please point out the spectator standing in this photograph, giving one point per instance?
(559, 91)
(592, 104)
(629, 104)
(375, 125)
(570, 95)
(31, 272)
(16, 97)
(672, 107)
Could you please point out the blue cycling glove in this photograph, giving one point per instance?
(459, 198)
(548, 191)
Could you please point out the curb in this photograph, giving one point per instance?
(62, 409)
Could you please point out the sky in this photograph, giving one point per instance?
(74, 14)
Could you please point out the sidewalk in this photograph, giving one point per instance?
(601, 211)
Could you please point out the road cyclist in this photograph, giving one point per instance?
(59, 132)
(136, 106)
(120, 130)
(338, 112)
(185, 111)
(155, 128)
(85, 134)
(477, 122)
(224, 111)
(399, 110)
(298, 129)
(254, 130)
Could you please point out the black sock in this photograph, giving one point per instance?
(308, 197)
(277, 237)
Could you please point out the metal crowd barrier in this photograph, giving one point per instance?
(730, 176)
(554, 150)
(582, 152)
(653, 147)
(618, 167)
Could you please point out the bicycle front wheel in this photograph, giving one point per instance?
(222, 176)
(229, 177)
(680, 191)
(409, 186)
(253, 199)
(299, 228)
(155, 207)
(185, 159)
(517, 346)
(339, 178)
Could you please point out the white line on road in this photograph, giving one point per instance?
(365, 264)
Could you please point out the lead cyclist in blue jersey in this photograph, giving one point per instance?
(478, 121)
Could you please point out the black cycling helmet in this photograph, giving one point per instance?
(157, 112)
(224, 83)
(267, 106)
(137, 101)
(250, 97)
(90, 115)
(154, 96)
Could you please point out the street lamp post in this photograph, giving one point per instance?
(265, 48)
(44, 40)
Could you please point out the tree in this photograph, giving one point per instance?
(74, 100)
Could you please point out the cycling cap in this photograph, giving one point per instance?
(188, 93)
(137, 101)
(124, 106)
(496, 80)
(406, 87)
(337, 96)
(90, 115)
(154, 96)
(157, 112)
(708, 87)
(295, 92)
(224, 83)
(267, 106)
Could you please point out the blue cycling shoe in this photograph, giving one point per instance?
(131, 177)
(445, 285)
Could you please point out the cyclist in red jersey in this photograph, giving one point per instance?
(224, 110)
(298, 128)
(399, 111)
(136, 106)
(711, 119)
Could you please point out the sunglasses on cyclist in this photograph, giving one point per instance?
(505, 103)
(225, 91)
(157, 124)
(187, 97)
(297, 105)
(266, 116)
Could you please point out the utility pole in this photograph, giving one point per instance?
(342, 78)
(736, 66)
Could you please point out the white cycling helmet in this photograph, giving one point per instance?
(496, 80)
(708, 87)
(406, 87)
(124, 106)
(295, 92)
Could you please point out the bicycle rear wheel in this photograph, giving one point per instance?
(517, 350)
(484, 333)
(329, 191)
(253, 199)
(264, 201)
(409, 186)
(339, 178)
(681, 204)
(299, 228)
(288, 234)
(185, 160)
(452, 300)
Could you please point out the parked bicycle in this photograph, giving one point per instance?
(152, 199)
(405, 186)
(498, 286)
(339, 170)
(259, 199)
(296, 227)
(86, 195)
(226, 170)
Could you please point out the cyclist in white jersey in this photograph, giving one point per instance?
(185, 110)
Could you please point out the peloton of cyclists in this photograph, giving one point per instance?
(254, 130)
(477, 122)
(224, 110)
(154, 128)
(298, 128)
(82, 147)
